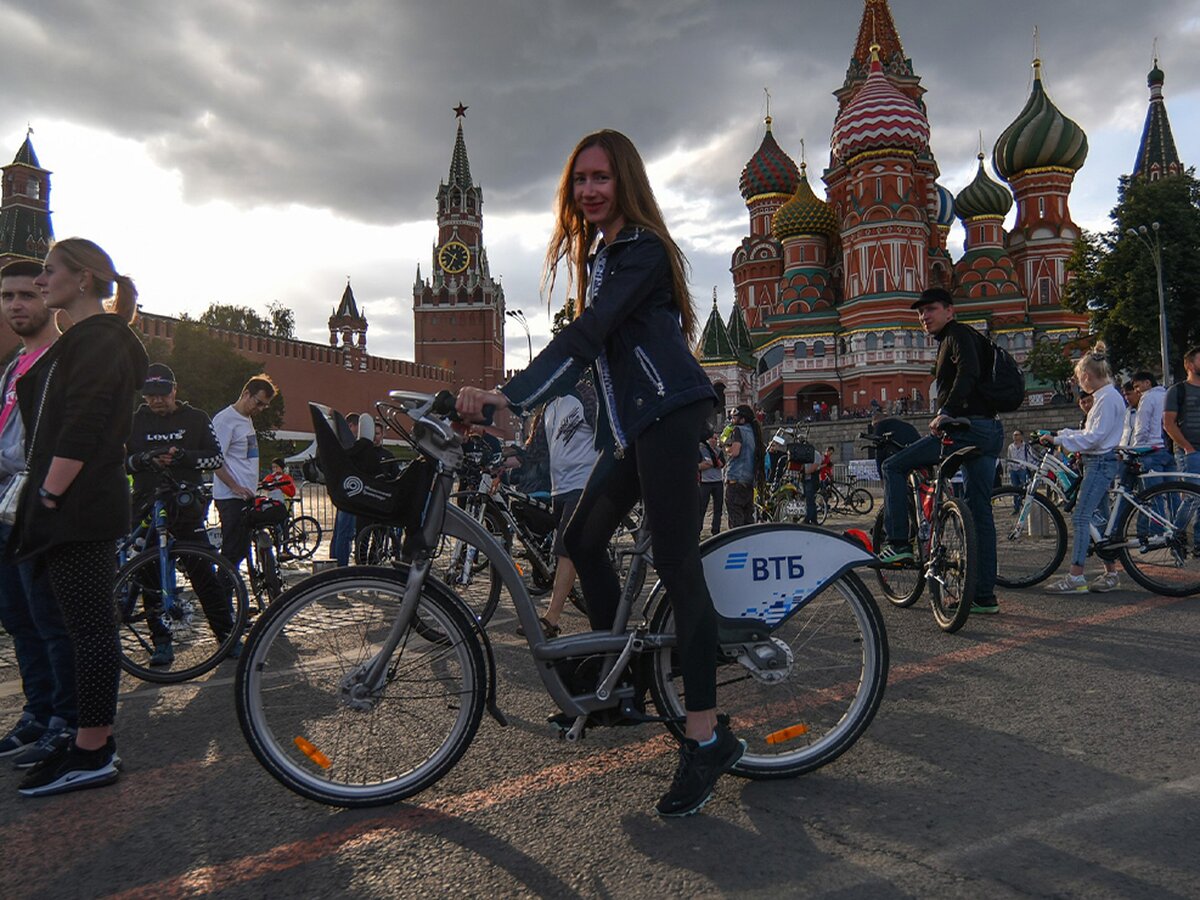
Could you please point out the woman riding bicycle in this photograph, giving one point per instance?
(634, 323)
(1096, 441)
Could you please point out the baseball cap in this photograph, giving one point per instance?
(160, 380)
(933, 295)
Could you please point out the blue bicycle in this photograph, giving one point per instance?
(181, 607)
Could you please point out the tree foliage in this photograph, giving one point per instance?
(1114, 275)
(280, 322)
(563, 317)
(1050, 361)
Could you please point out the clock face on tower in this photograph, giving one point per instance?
(454, 257)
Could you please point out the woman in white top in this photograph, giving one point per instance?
(1096, 442)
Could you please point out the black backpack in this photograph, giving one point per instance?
(1004, 391)
(801, 453)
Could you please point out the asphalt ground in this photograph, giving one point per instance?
(1047, 751)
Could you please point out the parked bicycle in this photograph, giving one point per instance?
(178, 597)
(366, 685)
(943, 532)
(266, 520)
(1154, 532)
(844, 498)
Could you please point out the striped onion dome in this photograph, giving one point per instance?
(1040, 136)
(805, 213)
(945, 206)
(879, 117)
(769, 171)
(982, 197)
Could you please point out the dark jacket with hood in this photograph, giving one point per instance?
(89, 377)
(630, 333)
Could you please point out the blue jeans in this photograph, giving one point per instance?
(340, 545)
(978, 474)
(1156, 461)
(1018, 478)
(1098, 473)
(45, 654)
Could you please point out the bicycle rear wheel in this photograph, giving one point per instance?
(861, 501)
(376, 545)
(267, 563)
(198, 609)
(1161, 545)
(952, 566)
(468, 572)
(319, 730)
(801, 719)
(303, 537)
(1031, 543)
(902, 585)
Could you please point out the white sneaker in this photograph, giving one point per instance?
(1102, 584)
(1068, 584)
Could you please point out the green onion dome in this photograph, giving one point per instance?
(1041, 136)
(805, 213)
(982, 197)
(769, 171)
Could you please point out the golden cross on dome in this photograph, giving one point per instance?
(460, 111)
(767, 91)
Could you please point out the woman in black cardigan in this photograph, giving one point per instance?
(76, 501)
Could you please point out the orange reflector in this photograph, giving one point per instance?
(307, 748)
(520, 571)
(786, 734)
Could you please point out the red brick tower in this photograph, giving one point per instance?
(25, 229)
(348, 331)
(458, 313)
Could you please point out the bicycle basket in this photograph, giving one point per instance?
(358, 482)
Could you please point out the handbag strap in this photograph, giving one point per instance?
(38, 419)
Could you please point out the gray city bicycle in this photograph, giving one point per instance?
(365, 685)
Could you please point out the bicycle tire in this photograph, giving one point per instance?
(376, 545)
(1024, 557)
(303, 537)
(956, 559)
(836, 681)
(268, 565)
(861, 501)
(197, 643)
(902, 585)
(823, 509)
(480, 587)
(302, 717)
(1170, 564)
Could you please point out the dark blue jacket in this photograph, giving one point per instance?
(630, 333)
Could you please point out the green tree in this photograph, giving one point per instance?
(1114, 277)
(1051, 362)
(563, 317)
(279, 322)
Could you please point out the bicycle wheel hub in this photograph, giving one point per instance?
(769, 661)
(354, 692)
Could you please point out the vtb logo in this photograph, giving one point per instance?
(765, 567)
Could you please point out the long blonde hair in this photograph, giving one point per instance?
(574, 236)
(82, 255)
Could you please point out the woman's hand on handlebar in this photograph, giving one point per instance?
(472, 400)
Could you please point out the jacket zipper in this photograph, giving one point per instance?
(651, 372)
(598, 268)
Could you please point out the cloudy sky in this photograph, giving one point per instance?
(248, 151)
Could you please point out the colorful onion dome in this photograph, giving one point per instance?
(1040, 136)
(805, 213)
(982, 197)
(945, 206)
(769, 171)
(879, 117)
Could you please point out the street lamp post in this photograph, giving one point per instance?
(519, 316)
(1149, 237)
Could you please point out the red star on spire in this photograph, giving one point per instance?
(460, 111)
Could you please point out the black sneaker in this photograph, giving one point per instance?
(52, 742)
(699, 769)
(25, 732)
(72, 770)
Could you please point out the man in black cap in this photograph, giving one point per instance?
(169, 434)
(964, 359)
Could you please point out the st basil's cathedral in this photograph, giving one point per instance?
(823, 287)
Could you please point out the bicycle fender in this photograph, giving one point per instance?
(767, 572)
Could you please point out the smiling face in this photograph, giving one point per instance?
(595, 191)
(22, 305)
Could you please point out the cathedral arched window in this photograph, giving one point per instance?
(889, 340)
(818, 348)
(1019, 342)
(908, 339)
(872, 341)
(800, 350)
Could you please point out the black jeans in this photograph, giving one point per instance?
(235, 530)
(714, 491)
(660, 467)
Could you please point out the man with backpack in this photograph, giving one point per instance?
(975, 380)
(1181, 413)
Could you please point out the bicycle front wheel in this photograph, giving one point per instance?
(902, 585)
(313, 721)
(376, 545)
(188, 603)
(1031, 540)
(1160, 539)
(268, 565)
(800, 719)
(861, 501)
(952, 567)
(303, 537)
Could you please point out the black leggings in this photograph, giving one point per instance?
(660, 467)
(82, 575)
